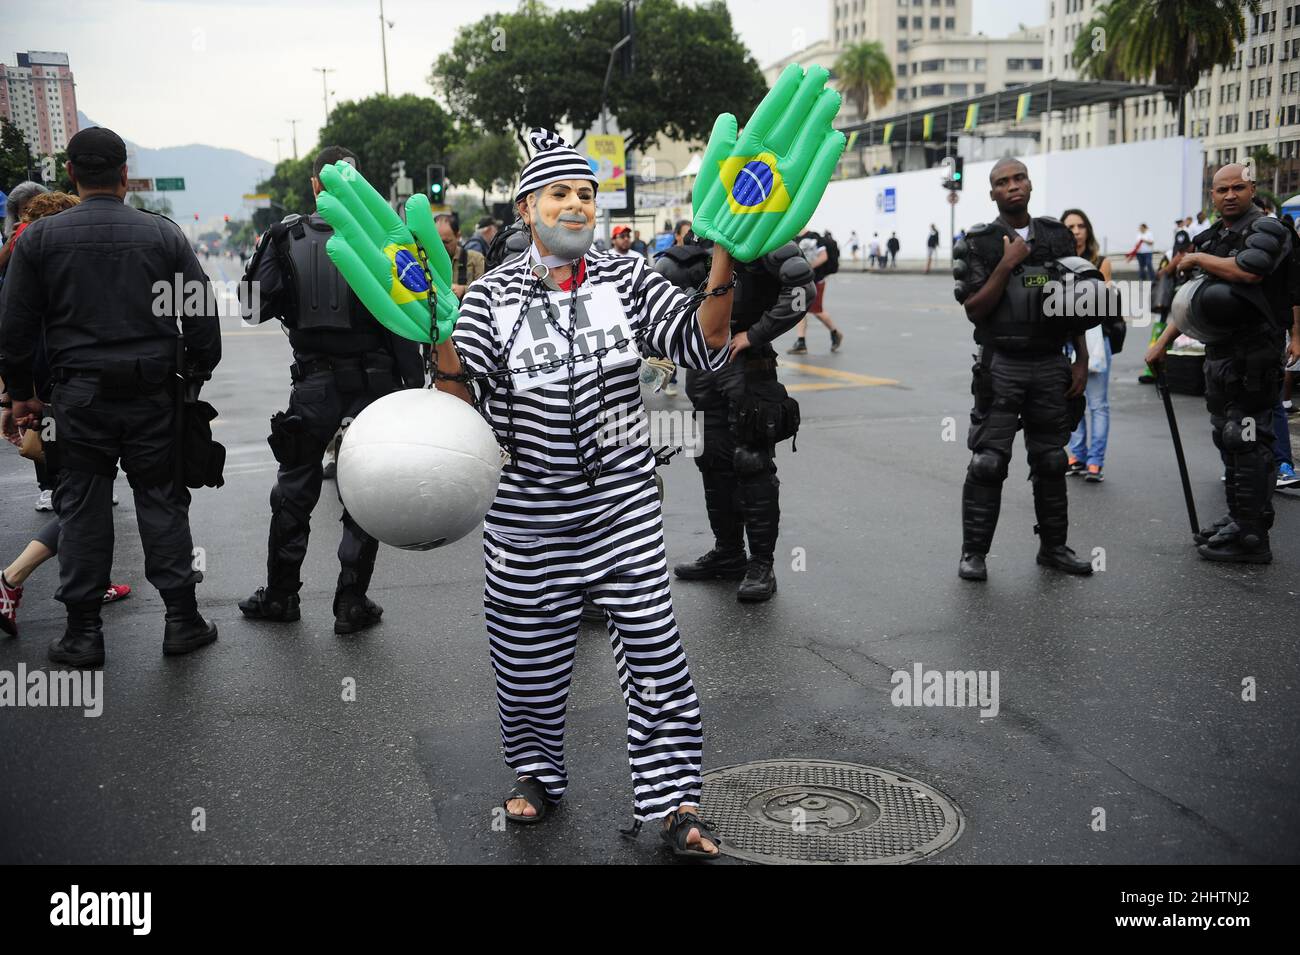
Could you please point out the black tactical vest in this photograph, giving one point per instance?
(321, 299)
(1249, 309)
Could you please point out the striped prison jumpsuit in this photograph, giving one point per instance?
(551, 534)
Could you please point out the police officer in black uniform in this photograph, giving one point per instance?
(1241, 311)
(746, 412)
(1022, 378)
(343, 360)
(89, 280)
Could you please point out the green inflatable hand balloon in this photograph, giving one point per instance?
(756, 193)
(378, 255)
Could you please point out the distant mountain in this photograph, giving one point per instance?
(215, 179)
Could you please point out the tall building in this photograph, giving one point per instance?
(39, 97)
(1234, 110)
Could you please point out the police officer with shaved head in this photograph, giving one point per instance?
(343, 360)
(1022, 378)
(88, 280)
(1246, 274)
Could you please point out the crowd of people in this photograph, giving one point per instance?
(580, 522)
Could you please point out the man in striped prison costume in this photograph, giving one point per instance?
(577, 510)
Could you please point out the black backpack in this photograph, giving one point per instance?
(832, 256)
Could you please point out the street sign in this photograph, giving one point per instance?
(953, 198)
(139, 185)
(169, 185)
(257, 200)
(608, 161)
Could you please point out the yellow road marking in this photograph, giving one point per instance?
(841, 379)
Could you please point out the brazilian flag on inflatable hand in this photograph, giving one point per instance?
(377, 254)
(756, 192)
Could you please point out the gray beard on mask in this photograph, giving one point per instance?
(565, 243)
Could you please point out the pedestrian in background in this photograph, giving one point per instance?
(824, 257)
(466, 263)
(893, 246)
(931, 246)
(1143, 248)
(853, 245)
(1087, 447)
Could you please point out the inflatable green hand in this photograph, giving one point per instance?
(755, 193)
(377, 254)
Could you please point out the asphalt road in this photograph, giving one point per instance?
(1122, 692)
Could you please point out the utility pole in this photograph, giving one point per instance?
(277, 140)
(383, 43)
(293, 124)
(324, 88)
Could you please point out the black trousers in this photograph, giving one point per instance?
(1242, 385)
(92, 435)
(1014, 392)
(741, 489)
(321, 406)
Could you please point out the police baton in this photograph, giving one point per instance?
(1162, 386)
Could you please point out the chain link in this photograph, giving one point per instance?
(695, 299)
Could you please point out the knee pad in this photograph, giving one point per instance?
(1049, 464)
(749, 462)
(987, 467)
(1234, 437)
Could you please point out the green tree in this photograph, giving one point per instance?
(538, 67)
(384, 129)
(689, 67)
(491, 161)
(1170, 41)
(865, 76)
(289, 187)
(513, 71)
(162, 204)
(15, 158)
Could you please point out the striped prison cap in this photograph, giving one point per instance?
(553, 160)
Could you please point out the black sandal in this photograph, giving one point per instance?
(533, 793)
(679, 830)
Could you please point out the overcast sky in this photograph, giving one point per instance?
(232, 73)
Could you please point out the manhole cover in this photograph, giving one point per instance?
(811, 812)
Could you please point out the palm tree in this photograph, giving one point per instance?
(865, 75)
(1174, 41)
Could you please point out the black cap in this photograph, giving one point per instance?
(486, 221)
(97, 148)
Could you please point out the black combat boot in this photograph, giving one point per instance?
(266, 604)
(185, 629)
(1059, 557)
(1224, 527)
(354, 611)
(727, 559)
(82, 643)
(759, 583)
(760, 504)
(1251, 478)
(980, 506)
(971, 567)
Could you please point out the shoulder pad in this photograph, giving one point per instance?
(291, 218)
(1268, 226)
(795, 271)
(981, 228)
(684, 254)
(1051, 220)
(1257, 261)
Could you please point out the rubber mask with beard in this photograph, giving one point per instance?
(567, 244)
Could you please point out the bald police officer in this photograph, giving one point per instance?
(87, 280)
(1242, 312)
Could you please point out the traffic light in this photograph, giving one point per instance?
(227, 218)
(437, 184)
(953, 177)
(627, 28)
(196, 217)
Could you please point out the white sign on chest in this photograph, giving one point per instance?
(600, 323)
